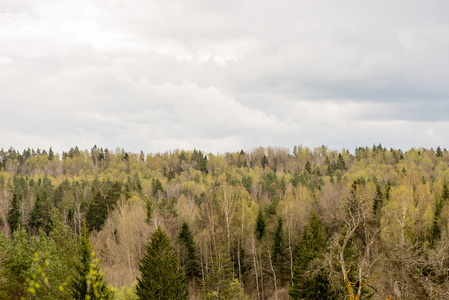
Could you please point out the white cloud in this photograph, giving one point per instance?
(223, 75)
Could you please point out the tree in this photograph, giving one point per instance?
(160, 276)
(189, 260)
(220, 282)
(309, 282)
(260, 226)
(40, 216)
(97, 212)
(278, 251)
(439, 153)
(15, 264)
(88, 282)
(14, 213)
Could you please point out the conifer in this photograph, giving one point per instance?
(160, 277)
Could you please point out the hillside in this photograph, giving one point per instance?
(279, 224)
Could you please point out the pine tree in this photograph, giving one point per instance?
(88, 283)
(41, 214)
(51, 154)
(307, 284)
(188, 258)
(439, 153)
(14, 213)
(278, 251)
(377, 204)
(260, 226)
(156, 186)
(160, 276)
(264, 161)
(220, 281)
(15, 264)
(97, 212)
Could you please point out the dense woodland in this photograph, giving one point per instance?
(269, 223)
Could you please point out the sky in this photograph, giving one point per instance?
(221, 76)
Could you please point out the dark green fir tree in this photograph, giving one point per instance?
(160, 277)
(260, 226)
(88, 282)
(14, 212)
(189, 261)
(308, 281)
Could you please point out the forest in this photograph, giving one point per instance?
(265, 223)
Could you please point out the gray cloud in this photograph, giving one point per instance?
(156, 76)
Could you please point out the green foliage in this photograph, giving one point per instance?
(309, 282)
(15, 264)
(40, 216)
(88, 282)
(160, 277)
(97, 212)
(435, 234)
(264, 161)
(398, 195)
(101, 206)
(260, 226)
(156, 187)
(377, 204)
(220, 281)
(189, 261)
(200, 161)
(14, 212)
(278, 249)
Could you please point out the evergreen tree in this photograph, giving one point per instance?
(439, 153)
(377, 204)
(201, 161)
(308, 167)
(435, 234)
(260, 226)
(14, 213)
(264, 161)
(97, 212)
(51, 154)
(308, 283)
(156, 186)
(341, 165)
(41, 214)
(15, 264)
(278, 251)
(220, 281)
(160, 276)
(188, 257)
(88, 283)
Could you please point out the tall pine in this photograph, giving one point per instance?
(88, 282)
(14, 213)
(220, 280)
(189, 261)
(160, 277)
(308, 282)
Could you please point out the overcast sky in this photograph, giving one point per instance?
(223, 75)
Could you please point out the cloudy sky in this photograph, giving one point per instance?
(223, 75)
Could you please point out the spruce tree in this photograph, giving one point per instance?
(377, 205)
(260, 226)
(15, 264)
(220, 281)
(189, 260)
(88, 282)
(97, 212)
(160, 276)
(14, 213)
(278, 251)
(307, 284)
(40, 216)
